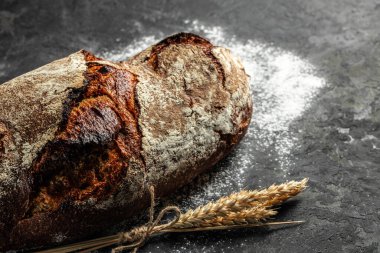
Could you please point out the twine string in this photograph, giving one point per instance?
(139, 235)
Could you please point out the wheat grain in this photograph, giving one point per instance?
(247, 216)
(271, 196)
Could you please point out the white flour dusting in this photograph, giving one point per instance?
(282, 83)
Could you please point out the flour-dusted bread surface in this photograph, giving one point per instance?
(31, 108)
(82, 138)
(189, 105)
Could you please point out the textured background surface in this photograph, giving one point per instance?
(335, 140)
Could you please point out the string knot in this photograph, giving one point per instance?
(137, 236)
(134, 235)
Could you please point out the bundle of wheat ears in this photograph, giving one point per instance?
(238, 210)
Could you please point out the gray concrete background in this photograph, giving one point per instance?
(340, 38)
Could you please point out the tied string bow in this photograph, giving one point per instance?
(139, 235)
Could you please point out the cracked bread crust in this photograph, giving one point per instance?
(160, 118)
(31, 107)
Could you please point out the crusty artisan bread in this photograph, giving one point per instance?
(81, 138)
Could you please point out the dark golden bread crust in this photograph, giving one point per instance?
(80, 158)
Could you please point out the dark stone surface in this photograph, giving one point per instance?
(340, 38)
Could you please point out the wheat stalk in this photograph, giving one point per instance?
(238, 210)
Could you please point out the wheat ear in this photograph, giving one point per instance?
(237, 202)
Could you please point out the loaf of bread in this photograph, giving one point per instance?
(82, 138)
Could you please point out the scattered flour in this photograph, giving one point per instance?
(59, 237)
(368, 137)
(373, 140)
(282, 84)
(343, 130)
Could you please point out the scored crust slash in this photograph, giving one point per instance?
(81, 138)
